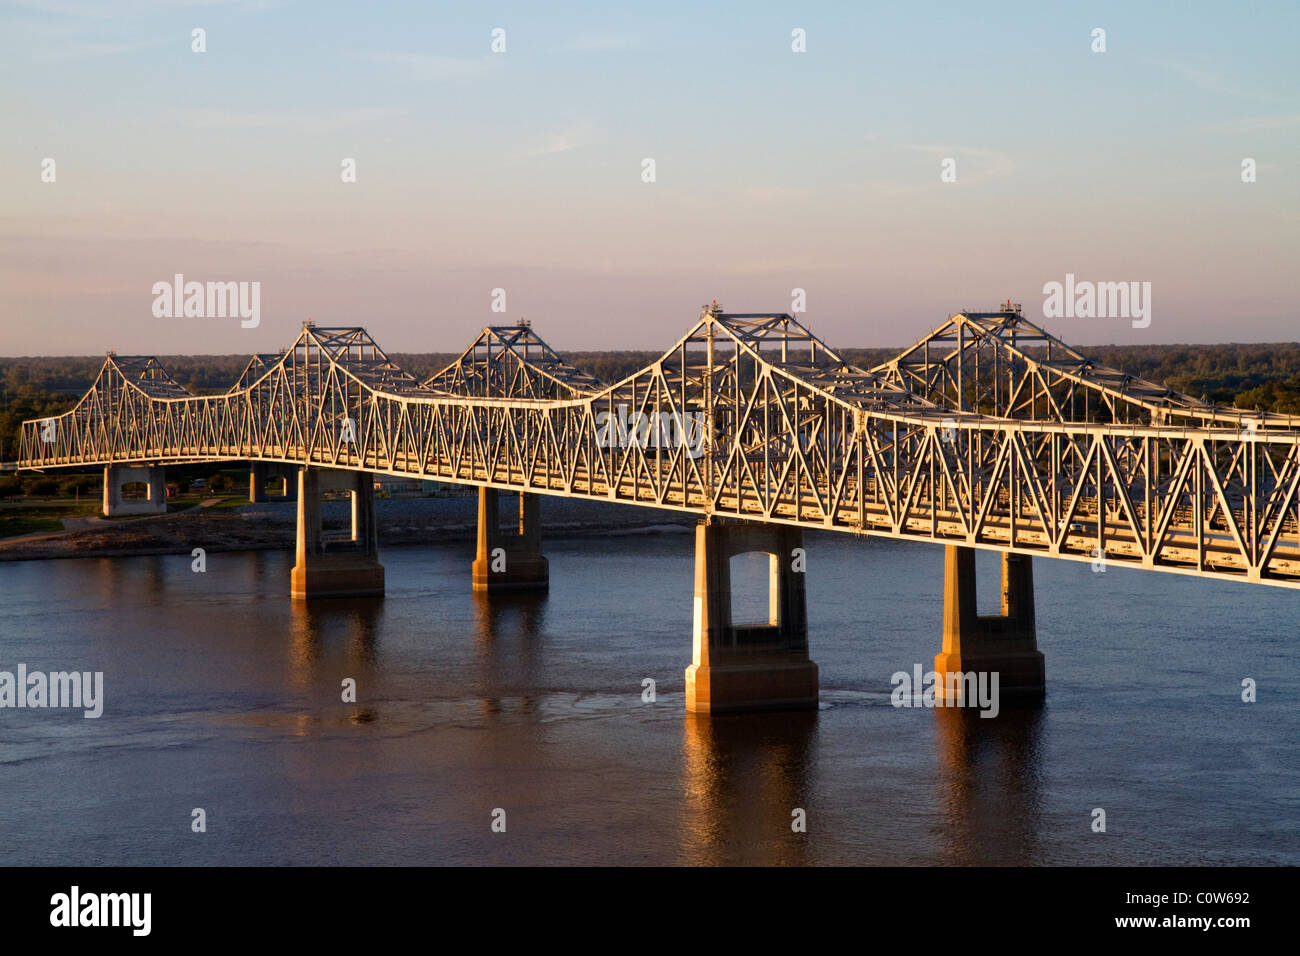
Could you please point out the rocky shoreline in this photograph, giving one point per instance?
(402, 521)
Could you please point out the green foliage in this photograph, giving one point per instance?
(81, 484)
(1274, 396)
(43, 487)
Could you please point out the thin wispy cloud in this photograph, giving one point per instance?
(1254, 124)
(574, 136)
(974, 163)
(302, 122)
(117, 9)
(1203, 79)
(430, 68)
(56, 30)
(1215, 82)
(600, 41)
(87, 49)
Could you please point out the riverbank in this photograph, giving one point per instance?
(272, 526)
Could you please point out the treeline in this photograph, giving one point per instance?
(1256, 377)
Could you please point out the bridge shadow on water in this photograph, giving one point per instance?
(988, 790)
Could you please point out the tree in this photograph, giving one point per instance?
(43, 488)
(78, 484)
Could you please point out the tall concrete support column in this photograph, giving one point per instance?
(333, 564)
(112, 490)
(157, 489)
(365, 531)
(1006, 643)
(506, 561)
(154, 478)
(754, 667)
(257, 482)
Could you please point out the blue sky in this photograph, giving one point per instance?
(522, 170)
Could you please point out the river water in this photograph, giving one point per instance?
(223, 694)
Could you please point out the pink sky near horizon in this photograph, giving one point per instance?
(81, 283)
(523, 173)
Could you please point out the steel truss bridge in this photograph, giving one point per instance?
(988, 433)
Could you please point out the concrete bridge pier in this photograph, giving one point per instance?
(1006, 643)
(334, 564)
(259, 472)
(257, 482)
(506, 561)
(152, 476)
(749, 667)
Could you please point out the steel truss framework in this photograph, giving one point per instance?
(988, 433)
(1002, 364)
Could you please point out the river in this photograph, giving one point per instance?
(222, 694)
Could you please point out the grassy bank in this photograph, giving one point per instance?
(29, 516)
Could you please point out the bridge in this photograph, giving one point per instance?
(987, 433)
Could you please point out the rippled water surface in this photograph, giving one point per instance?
(223, 694)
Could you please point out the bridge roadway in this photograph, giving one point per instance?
(988, 433)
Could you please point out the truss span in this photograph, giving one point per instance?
(1002, 364)
(752, 416)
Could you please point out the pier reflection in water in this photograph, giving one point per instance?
(222, 692)
(508, 644)
(354, 625)
(743, 778)
(989, 785)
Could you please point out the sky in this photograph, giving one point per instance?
(523, 169)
